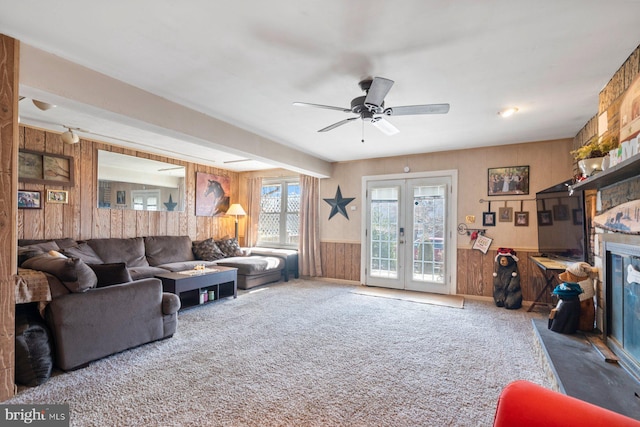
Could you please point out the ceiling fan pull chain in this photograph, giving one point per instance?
(363, 131)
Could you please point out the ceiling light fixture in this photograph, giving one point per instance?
(44, 106)
(69, 137)
(508, 112)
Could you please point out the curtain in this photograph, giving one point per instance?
(253, 217)
(309, 262)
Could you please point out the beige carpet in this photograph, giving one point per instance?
(308, 353)
(454, 301)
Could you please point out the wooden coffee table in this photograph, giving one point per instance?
(223, 281)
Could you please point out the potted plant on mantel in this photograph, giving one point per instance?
(591, 155)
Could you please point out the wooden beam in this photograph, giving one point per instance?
(9, 66)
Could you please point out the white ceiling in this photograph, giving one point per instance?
(245, 62)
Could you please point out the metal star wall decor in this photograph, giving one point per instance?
(339, 204)
(171, 205)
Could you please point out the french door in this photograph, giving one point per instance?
(408, 234)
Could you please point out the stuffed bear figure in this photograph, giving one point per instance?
(506, 280)
(582, 274)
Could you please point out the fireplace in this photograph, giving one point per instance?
(621, 293)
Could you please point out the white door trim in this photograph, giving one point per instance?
(451, 247)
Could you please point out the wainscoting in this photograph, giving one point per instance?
(340, 260)
(475, 275)
(475, 270)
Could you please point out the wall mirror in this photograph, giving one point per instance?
(129, 182)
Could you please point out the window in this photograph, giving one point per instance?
(279, 212)
(145, 200)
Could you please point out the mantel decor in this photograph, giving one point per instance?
(45, 168)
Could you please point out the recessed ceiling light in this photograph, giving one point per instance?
(508, 112)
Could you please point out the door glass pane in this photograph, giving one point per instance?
(384, 232)
(428, 233)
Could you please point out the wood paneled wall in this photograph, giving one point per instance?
(9, 64)
(475, 270)
(81, 219)
(340, 260)
(475, 275)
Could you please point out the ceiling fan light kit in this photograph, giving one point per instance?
(370, 108)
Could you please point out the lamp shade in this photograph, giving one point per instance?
(236, 209)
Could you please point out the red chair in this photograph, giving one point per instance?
(524, 404)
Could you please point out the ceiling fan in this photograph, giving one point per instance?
(370, 108)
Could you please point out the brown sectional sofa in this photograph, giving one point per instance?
(105, 298)
(148, 256)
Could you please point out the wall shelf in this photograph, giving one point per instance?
(613, 175)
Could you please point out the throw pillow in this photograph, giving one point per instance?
(84, 252)
(111, 274)
(207, 250)
(229, 246)
(29, 251)
(72, 272)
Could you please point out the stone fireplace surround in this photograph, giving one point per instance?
(588, 376)
(620, 324)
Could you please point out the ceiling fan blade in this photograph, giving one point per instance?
(335, 125)
(408, 110)
(380, 87)
(385, 126)
(326, 107)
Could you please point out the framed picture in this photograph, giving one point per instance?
(561, 212)
(521, 219)
(505, 214)
(121, 197)
(544, 218)
(577, 216)
(489, 219)
(29, 200)
(508, 181)
(212, 194)
(45, 168)
(57, 196)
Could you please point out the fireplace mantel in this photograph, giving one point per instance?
(613, 175)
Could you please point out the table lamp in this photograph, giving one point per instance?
(236, 210)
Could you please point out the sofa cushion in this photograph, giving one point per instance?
(207, 250)
(84, 252)
(229, 246)
(129, 251)
(253, 264)
(138, 273)
(28, 251)
(167, 249)
(72, 272)
(62, 243)
(111, 274)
